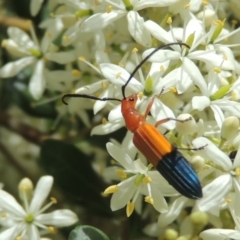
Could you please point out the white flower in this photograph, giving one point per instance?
(214, 97)
(27, 220)
(32, 53)
(116, 77)
(216, 191)
(136, 180)
(118, 9)
(188, 73)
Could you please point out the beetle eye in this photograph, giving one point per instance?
(131, 99)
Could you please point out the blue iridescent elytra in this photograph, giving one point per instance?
(179, 173)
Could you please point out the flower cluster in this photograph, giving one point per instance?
(29, 221)
(98, 44)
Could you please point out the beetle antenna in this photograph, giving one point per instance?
(145, 59)
(86, 96)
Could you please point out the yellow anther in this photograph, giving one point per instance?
(52, 15)
(217, 70)
(121, 64)
(147, 179)
(111, 189)
(82, 59)
(109, 9)
(4, 43)
(234, 95)
(121, 173)
(76, 73)
(228, 200)
(48, 34)
(237, 171)
(225, 57)
(104, 85)
(149, 199)
(19, 238)
(234, 21)
(134, 50)
(205, 2)
(3, 215)
(140, 95)
(113, 162)
(169, 20)
(187, 6)
(53, 200)
(66, 39)
(173, 89)
(162, 68)
(110, 35)
(52, 229)
(118, 74)
(104, 121)
(219, 22)
(130, 208)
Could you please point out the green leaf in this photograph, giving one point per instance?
(87, 233)
(73, 173)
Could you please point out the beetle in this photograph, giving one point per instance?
(151, 143)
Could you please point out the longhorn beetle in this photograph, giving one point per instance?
(151, 143)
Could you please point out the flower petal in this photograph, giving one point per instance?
(211, 152)
(37, 82)
(35, 6)
(194, 72)
(41, 192)
(107, 128)
(32, 232)
(118, 76)
(158, 32)
(58, 218)
(200, 103)
(159, 201)
(137, 29)
(173, 212)
(61, 57)
(120, 156)
(123, 195)
(213, 193)
(153, 3)
(13, 68)
(8, 203)
(101, 20)
(12, 232)
(219, 234)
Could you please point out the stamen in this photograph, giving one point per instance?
(109, 9)
(147, 180)
(76, 72)
(111, 189)
(52, 229)
(53, 201)
(130, 208)
(149, 199)
(134, 50)
(104, 121)
(118, 74)
(122, 174)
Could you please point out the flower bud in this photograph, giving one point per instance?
(170, 234)
(236, 142)
(25, 188)
(208, 15)
(229, 128)
(199, 219)
(188, 126)
(197, 162)
(182, 238)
